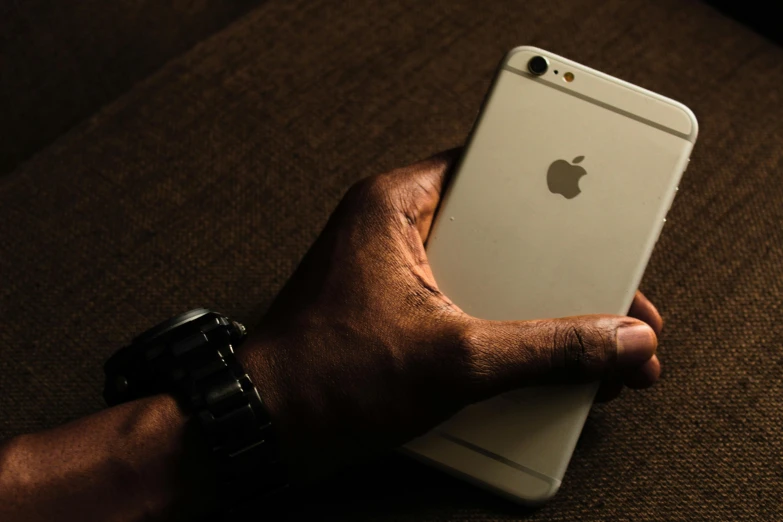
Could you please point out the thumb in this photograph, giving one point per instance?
(506, 355)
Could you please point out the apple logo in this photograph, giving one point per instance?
(563, 178)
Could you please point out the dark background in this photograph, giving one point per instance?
(157, 156)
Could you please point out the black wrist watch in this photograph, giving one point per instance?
(192, 357)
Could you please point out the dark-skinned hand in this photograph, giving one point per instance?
(361, 352)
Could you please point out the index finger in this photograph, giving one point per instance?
(421, 186)
(644, 310)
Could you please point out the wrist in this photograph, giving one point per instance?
(257, 359)
(257, 355)
(137, 461)
(167, 458)
(193, 357)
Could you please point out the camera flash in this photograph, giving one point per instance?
(569, 77)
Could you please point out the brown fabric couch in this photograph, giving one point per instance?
(196, 170)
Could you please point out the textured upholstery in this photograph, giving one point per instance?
(204, 183)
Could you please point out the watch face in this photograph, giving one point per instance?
(170, 324)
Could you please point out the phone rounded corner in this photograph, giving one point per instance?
(540, 497)
(694, 122)
(522, 49)
(550, 494)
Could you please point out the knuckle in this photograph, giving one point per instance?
(365, 200)
(468, 341)
(475, 357)
(371, 191)
(581, 350)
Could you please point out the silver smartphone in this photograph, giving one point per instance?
(553, 211)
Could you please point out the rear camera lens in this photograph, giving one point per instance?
(538, 65)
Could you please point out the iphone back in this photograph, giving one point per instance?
(553, 211)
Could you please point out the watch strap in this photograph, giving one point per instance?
(238, 429)
(192, 356)
(156, 361)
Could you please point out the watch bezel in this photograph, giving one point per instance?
(170, 324)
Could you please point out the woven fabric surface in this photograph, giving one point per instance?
(61, 61)
(205, 183)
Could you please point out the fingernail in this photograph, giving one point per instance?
(635, 344)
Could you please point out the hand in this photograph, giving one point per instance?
(361, 352)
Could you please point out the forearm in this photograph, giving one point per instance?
(132, 462)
